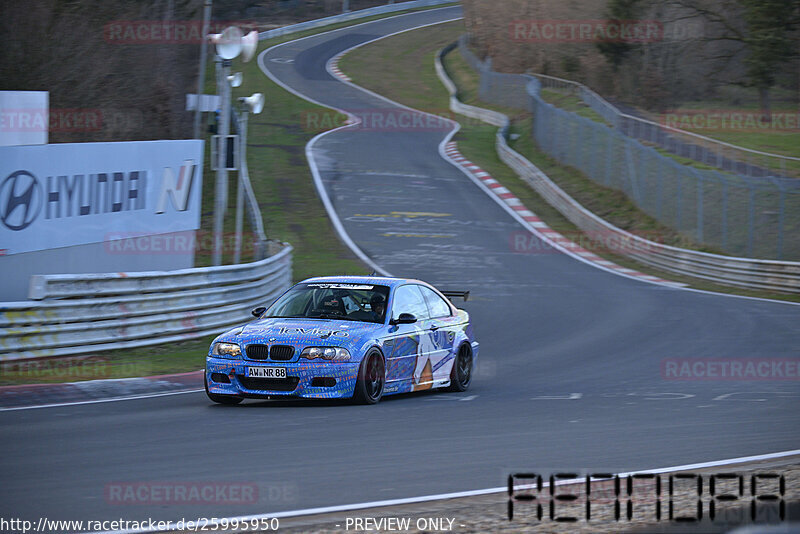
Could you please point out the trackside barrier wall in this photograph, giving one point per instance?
(734, 271)
(76, 314)
(740, 209)
(707, 150)
(353, 15)
(79, 314)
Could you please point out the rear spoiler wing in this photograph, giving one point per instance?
(458, 294)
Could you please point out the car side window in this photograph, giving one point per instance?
(408, 299)
(436, 304)
(293, 305)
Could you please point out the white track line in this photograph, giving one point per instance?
(457, 160)
(352, 122)
(345, 237)
(533, 221)
(461, 494)
(332, 67)
(99, 401)
(443, 152)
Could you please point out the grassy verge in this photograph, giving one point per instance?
(716, 119)
(290, 207)
(156, 360)
(570, 102)
(779, 137)
(410, 79)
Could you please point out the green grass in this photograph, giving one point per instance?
(290, 207)
(411, 80)
(164, 359)
(574, 104)
(783, 138)
(570, 102)
(385, 69)
(784, 141)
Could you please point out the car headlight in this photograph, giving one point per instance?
(226, 350)
(336, 354)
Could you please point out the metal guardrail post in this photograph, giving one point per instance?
(730, 270)
(554, 131)
(751, 219)
(93, 312)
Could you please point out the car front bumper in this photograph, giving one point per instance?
(313, 379)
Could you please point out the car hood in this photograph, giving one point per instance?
(303, 332)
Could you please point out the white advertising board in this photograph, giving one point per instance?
(24, 117)
(69, 194)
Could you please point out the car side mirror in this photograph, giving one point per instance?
(258, 311)
(405, 318)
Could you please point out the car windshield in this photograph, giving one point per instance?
(333, 300)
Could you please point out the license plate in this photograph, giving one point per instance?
(266, 372)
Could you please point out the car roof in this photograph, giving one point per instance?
(375, 280)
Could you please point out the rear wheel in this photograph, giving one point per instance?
(222, 399)
(461, 375)
(371, 379)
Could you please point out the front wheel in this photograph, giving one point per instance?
(371, 379)
(222, 399)
(461, 375)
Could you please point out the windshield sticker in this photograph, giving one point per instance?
(341, 286)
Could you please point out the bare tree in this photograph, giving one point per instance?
(765, 31)
(124, 90)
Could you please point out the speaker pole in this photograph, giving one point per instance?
(237, 251)
(221, 200)
(201, 75)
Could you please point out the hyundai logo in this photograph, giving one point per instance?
(21, 200)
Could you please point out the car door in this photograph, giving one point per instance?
(442, 333)
(407, 345)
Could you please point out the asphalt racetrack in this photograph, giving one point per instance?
(571, 372)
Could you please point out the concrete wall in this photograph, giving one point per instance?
(16, 269)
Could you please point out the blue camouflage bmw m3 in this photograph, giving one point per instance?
(346, 337)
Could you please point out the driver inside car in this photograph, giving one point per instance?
(377, 307)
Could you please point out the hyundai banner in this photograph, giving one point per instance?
(62, 195)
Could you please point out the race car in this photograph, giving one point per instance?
(346, 337)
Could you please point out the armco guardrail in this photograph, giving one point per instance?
(352, 15)
(741, 272)
(72, 314)
(731, 211)
(707, 150)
